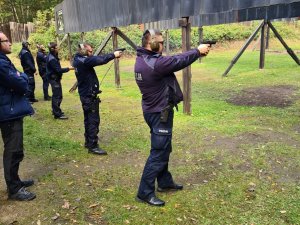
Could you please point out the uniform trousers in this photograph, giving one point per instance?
(90, 106)
(156, 167)
(12, 135)
(57, 97)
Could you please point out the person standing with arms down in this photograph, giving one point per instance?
(161, 92)
(14, 106)
(88, 88)
(41, 62)
(54, 74)
(28, 65)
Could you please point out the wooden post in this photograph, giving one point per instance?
(116, 64)
(69, 47)
(82, 37)
(268, 37)
(186, 72)
(200, 32)
(167, 42)
(263, 46)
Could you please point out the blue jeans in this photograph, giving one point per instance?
(156, 167)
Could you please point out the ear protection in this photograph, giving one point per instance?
(154, 45)
(82, 49)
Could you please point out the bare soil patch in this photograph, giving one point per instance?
(275, 96)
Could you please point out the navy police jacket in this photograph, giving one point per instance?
(41, 62)
(13, 86)
(154, 75)
(88, 84)
(27, 61)
(53, 67)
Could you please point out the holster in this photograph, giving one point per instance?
(164, 114)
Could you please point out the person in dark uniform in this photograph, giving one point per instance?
(41, 62)
(54, 74)
(88, 88)
(14, 106)
(27, 63)
(161, 92)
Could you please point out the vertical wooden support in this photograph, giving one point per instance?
(200, 32)
(116, 64)
(263, 46)
(186, 46)
(268, 37)
(167, 42)
(82, 37)
(69, 47)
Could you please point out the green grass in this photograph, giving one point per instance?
(218, 152)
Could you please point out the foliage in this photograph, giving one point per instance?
(23, 11)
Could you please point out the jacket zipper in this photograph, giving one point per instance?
(12, 102)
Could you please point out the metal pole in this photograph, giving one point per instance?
(236, 58)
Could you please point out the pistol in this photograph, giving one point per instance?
(120, 49)
(209, 42)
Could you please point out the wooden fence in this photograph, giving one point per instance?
(17, 32)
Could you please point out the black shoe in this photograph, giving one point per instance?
(27, 183)
(22, 195)
(151, 201)
(62, 117)
(47, 98)
(97, 151)
(33, 100)
(174, 187)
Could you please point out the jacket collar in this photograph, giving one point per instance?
(3, 56)
(143, 51)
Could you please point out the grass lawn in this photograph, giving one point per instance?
(239, 164)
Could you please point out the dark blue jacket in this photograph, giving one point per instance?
(154, 74)
(88, 84)
(13, 86)
(53, 68)
(27, 61)
(41, 62)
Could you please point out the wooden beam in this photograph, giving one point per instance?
(62, 41)
(289, 50)
(104, 43)
(69, 47)
(116, 64)
(186, 72)
(167, 42)
(240, 53)
(125, 38)
(200, 32)
(263, 46)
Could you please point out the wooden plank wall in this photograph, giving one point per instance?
(17, 32)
